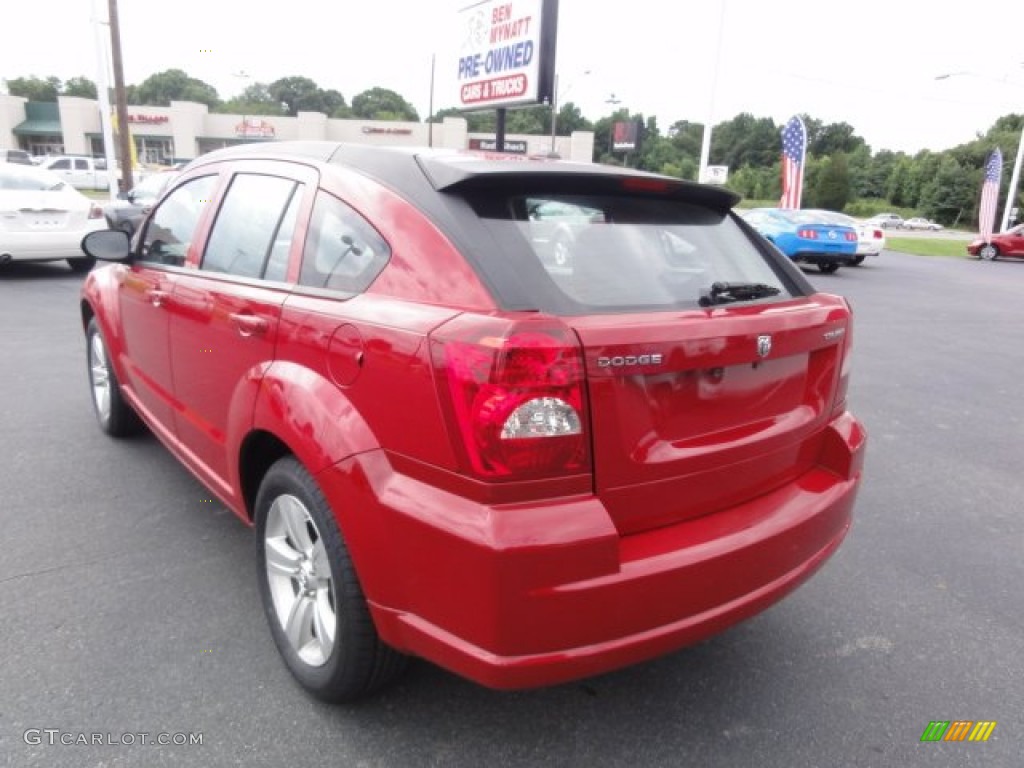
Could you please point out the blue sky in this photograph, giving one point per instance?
(871, 64)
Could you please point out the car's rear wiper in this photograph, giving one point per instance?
(725, 293)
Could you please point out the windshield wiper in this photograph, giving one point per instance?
(726, 293)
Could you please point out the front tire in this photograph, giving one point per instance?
(113, 413)
(988, 252)
(80, 266)
(311, 594)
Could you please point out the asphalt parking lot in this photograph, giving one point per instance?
(128, 602)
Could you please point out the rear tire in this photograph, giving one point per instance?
(988, 252)
(113, 413)
(828, 267)
(311, 593)
(858, 260)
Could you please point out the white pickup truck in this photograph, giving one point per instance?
(80, 171)
(84, 172)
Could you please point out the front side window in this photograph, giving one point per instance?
(172, 226)
(61, 165)
(343, 251)
(253, 227)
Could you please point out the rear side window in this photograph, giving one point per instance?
(253, 227)
(343, 251)
(622, 253)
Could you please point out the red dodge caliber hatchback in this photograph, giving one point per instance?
(528, 453)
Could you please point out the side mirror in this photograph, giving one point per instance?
(107, 245)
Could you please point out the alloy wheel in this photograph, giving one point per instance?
(100, 376)
(300, 580)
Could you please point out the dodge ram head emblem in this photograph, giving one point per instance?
(764, 345)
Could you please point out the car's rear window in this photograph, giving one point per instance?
(22, 179)
(624, 253)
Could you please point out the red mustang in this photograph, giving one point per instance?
(455, 447)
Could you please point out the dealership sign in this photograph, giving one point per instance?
(148, 119)
(516, 147)
(254, 128)
(506, 53)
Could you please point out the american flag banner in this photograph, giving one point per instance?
(794, 147)
(990, 194)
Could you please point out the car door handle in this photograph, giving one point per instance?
(157, 297)
(248, 325)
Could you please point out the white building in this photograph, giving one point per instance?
(186, 129)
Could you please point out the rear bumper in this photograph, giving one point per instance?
(47, 246)
(542, 593)
(819, 257)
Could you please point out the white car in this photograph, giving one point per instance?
(919, 223)
(870, 236)
(43, 218)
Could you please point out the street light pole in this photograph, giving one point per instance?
(611, 128)
(554, 112)
(705, 144)
(103, 96)
(554, 108)
(1011, 193)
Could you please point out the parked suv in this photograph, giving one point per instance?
(19, 156)
(452, 447)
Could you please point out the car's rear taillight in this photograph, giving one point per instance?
(809, 234)
(846, 350)
(95, 212)
(514, 392)
(851, 236)
(878, 234)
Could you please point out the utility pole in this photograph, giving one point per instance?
(123, 136)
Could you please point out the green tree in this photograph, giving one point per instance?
(898, 186)
(254, 100)
(79, 86)
(745, 140)
(382, 104)
(34, 88)
(476, 122)
(831, 188)
(950, 195)
(300, 94)
(162, 88)
(832, 138)
(570, 119)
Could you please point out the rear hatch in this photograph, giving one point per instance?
(697, 411)
(40, 212)
(711, 365)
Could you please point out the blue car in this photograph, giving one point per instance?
(805, 236)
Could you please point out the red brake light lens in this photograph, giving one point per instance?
(95, 212)
(515, 391)
(808, 234)
(851, 236)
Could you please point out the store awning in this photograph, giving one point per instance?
(41, 119)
